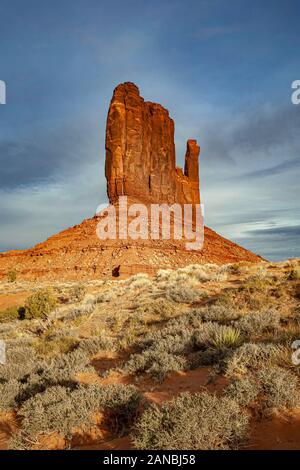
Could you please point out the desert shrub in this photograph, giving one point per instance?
(122, 403)
(34, 375)
(63, 410)
(182, 294)
(219, 313)
(87, 307)
(297, 291)
(199, 421)
(20, 362)
(257, 283)
(249, 355)
(40, 304)
(281, 387)
(253, 295)
(196, 271)
(8, 392)
(96, 344)
(77, 293)
(62, 368)
(138, 281)
(235, 268)
(162, 351)
(243, 390)
(61, 345)
(158, 364)
(9, 314)
(257, 322)
(286, 334)
(156, 310)
(294, 274)
(11, 276)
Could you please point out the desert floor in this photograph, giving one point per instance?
(195, 358)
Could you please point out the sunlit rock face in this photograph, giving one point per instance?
(140, 152)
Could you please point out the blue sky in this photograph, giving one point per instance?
(223, 69)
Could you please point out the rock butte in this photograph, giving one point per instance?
(140, 152)
(141, 164)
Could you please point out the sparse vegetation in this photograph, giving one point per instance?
(72, 337)
(64, 410)
(199, 421)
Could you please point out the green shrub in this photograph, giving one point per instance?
(40, 304)
(200, 421)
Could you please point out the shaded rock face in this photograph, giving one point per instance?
(140, 152)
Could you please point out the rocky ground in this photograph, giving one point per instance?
(194, 358)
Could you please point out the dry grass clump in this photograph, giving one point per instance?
(200, 421)
(213, 335)
(64, 410)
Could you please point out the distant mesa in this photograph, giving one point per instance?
(141, 164)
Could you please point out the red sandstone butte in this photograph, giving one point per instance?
(140, 152)
(141, 164)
